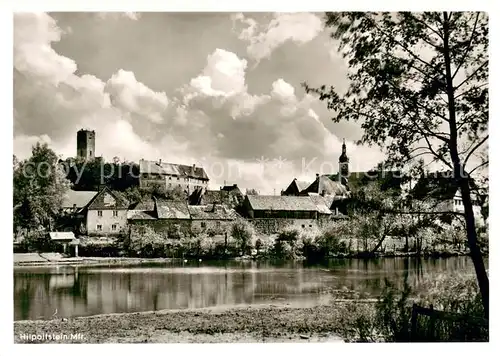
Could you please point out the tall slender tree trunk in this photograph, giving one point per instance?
(462, 178)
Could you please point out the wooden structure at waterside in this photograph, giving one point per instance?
(65, 239)
(430, 325)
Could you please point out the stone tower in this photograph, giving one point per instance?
(343, 163)
(85, 144)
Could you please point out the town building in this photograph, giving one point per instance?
(212, 218)
(106, 214)
(273, 213)
(295, 187)
(229, 195)
(171, 176)
(175, 219)
(75, 201)
(441, 191)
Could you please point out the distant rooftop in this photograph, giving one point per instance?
(164, 168)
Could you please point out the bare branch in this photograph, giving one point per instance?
(485, 163)
(470, 76)
(405, 48)
(475, 148)
(429, 110)
(425, 24)
(469, 46)
(470, 89)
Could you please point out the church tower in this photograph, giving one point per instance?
(343, 163)
(85, 144)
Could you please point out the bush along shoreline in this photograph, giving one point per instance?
(242, 241)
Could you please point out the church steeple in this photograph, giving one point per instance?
(344, 162)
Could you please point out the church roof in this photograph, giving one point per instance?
(324, 185)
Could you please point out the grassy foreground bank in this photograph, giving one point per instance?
(265, 323)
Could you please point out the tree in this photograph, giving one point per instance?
(418, 83)
(242, 232)
(252, 192)
(176, 194)
(39, 188)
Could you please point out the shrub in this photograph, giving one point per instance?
(391, 319)
(243, 232)
(288, 245)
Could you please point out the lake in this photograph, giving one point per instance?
(41, 292)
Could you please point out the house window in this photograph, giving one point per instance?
(113, 227)
(310, 226)
(169, 178)
(178, 178)
(203, 224)
(115, 212)
(90, 153)
(217, 224)
(99, 227)
(303, 226)
(99, 212)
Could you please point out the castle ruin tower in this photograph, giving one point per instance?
(343, 163)
(85, 144)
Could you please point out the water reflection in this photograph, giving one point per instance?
(39, 292)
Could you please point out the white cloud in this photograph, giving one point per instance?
(223, 75)
(133, 96)
(283, 90)
(49, 97)
(33, 53)
(214, 119)
(297, 27)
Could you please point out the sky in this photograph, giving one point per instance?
(219, 90)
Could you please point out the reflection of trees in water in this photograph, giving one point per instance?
(258, 282)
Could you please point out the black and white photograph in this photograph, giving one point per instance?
(250, 177)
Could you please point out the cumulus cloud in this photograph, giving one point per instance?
(258, 140)
(223, 75)
(297, 27)
(49, 97)
(132, 96)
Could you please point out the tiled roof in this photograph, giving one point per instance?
(221, 197)
(61, 236)
(322, 203)
(324, 184)
(168, 209)
(233, 189)
(295, 187)
(281, 203)
(78, 198)
(163, 168)
(146, 204)
(301, 185)
(211, 212)
(141, 215)
(108, 199)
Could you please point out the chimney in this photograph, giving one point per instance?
(317, 175)
(159, 162)
(235, 185)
